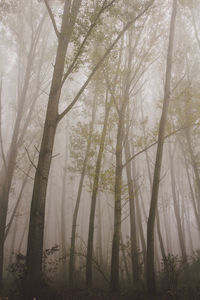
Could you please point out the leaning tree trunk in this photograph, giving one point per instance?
(156, 179)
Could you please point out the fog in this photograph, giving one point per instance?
(99, 135)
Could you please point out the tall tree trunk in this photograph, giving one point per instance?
(8, 226)
(77, 205)
(132, 200)
(114, 276)
(194, 166)
(141, 231)
(100, 256)
(150, 184)
(36, 224)
(151, 285)
(63, 209)
(177, 208)
(94, 196)
(125, 260)
(7, 174)
(162, 248)
(192, 194)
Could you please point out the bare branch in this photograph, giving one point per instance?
(104, 7)
(102, 59)
(52, 18)
(98, 267)
(111, 92)
(17, 203)
(55, 155)
(153, 144)
(36, 149)
(30, 159)
(25, 173)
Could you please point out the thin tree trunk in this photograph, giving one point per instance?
(141, 231)
(151, 285)
(12, 245)
(125, 261)
(167, 230)
(114, 276)
(192, 194)
(19, 250)
(77, 205)
(177, 208)
(157, 212)
(7, 175)
(94, 196)
(133, 232)
(8, 226)
(194, 166)
(99, 239)
(162, 248)
(63, 211)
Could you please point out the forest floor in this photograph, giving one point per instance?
(100, 294)
(94, 294)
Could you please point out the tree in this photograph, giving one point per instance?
(94, 194)
(156, 178)
(21, 121)
(53, 117)
(80, 188)
(177, 206)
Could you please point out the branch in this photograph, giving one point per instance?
(52, 18)
(85, 39)
(69, 107)
(98, 267)
(111, 92)
(30, 159)
(25, 173)
(153, 144)
(17, 203)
